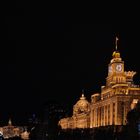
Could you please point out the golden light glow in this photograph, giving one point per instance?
(116, 41)
(110, 107)
(11, 131)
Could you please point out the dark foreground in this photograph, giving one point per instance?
(102, 133)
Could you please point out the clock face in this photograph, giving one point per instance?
(119, 67)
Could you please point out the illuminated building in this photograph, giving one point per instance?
(81, 112)
(11, 131)
(111, 106)
(81, 115)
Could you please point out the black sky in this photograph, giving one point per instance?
(53, 56)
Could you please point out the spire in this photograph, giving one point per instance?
(116, 43)
(10, 122)
(116, 53)
(82, 97)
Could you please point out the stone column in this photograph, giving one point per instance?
(94, 122)
(101, 116)
(116, 112)
(111, 113)
(104, 114)
(91, 117)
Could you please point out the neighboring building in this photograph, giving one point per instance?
(52, 111)
(81, 115)
(110, 107)
(11, 131)
(25, 135)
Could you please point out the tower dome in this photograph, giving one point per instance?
(81, 106)
(82, 102)
(116, 54)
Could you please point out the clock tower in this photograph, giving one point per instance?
(110, 107)
(116, 69)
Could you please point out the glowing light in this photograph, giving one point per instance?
(116, 43)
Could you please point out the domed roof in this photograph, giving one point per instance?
(82, 102)
(82, 106)
(116, 54)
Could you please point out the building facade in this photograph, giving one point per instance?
(80, 117)
(110, 107)
(10, 131)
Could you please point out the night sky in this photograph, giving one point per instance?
(52, 56)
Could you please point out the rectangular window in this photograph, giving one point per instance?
(113, 118)
(108, 114)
